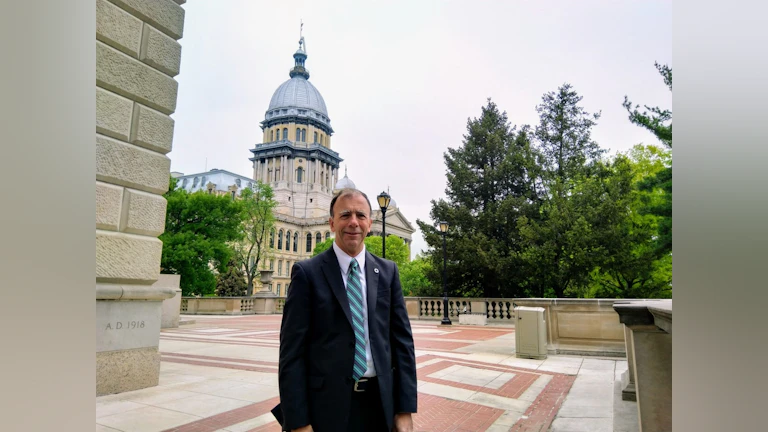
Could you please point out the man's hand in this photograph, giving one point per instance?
(307, 428)
(403, 423)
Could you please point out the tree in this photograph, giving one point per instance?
(490, 185)
(561, 245)
(633, 269)
(198, 230)
(322, 246)
(397, 251)
(232, 283)
(658, 122)
(258, 220)
(414, 280)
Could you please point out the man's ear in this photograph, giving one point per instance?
(330, 221)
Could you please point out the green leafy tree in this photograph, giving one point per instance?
(491, 184)
(232, 282)
(633, 268)
(658, 122)
(562, 244)
(257, 205)
(414, 279)
(198, 230)
(397, 251)
(322, 246)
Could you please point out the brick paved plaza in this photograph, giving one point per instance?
(220, 374)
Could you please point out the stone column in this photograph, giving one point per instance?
(649, 325)
(137, 56)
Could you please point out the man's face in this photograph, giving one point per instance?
(351, 222)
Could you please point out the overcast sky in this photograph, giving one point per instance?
(401, 78)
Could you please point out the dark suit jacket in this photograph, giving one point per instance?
(317, 344)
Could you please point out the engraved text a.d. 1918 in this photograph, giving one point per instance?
(126, 325)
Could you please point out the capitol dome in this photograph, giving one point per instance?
(345, 183)
(297, 98)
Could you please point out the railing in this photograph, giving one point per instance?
(184, 305)
(246, 306)
(426, 308)
(279, 305)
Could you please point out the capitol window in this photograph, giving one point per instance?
(299, 174)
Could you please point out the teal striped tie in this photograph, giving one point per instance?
(355, 296)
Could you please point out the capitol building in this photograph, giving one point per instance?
(296, 159)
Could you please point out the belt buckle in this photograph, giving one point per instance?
(359, 381)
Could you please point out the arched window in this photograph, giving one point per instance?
(321, 139)
(309, 242)
(315, 138)
(298, 134)
(288, 241)
(303, 135)
(285, 133)
(280, 240)
(272, 238)
(318, 239)
(327, 235)
(295, 241)
(299, 174)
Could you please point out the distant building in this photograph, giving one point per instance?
(296, 160)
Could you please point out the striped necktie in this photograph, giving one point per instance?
(355, 296)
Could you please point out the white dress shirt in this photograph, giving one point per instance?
(344, 262)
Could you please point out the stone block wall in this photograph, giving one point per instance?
(137, 57)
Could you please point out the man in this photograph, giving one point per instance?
(347, 360)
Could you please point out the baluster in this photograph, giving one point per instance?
(422, 308)
(493, 308)
(488, 309)
(509, 310)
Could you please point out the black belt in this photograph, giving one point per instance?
(365, 384)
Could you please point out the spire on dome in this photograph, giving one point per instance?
(300, 56)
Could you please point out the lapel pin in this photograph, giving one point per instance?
(375, 270)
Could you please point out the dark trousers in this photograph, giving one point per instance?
(366, 414)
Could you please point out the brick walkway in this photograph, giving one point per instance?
(220, 374)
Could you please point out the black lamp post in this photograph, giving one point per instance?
(446, 320)
(383, 200)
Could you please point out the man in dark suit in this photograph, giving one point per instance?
(347, 360)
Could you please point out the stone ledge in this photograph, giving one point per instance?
(135, 80)
(132, 292)
(166, 15)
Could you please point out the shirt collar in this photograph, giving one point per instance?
(345, 260)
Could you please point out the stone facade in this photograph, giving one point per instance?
(137, 57)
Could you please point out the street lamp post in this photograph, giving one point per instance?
(446, 320)
(383, 200)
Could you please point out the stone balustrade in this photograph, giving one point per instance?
(229, 305)
(574, 326)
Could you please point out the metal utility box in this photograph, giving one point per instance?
(530, 333)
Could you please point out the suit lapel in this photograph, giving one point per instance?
(332, 273)
(372, 282)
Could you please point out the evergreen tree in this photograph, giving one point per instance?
(490, 185)
(232, 283)
(658, 122)
(561, 246)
